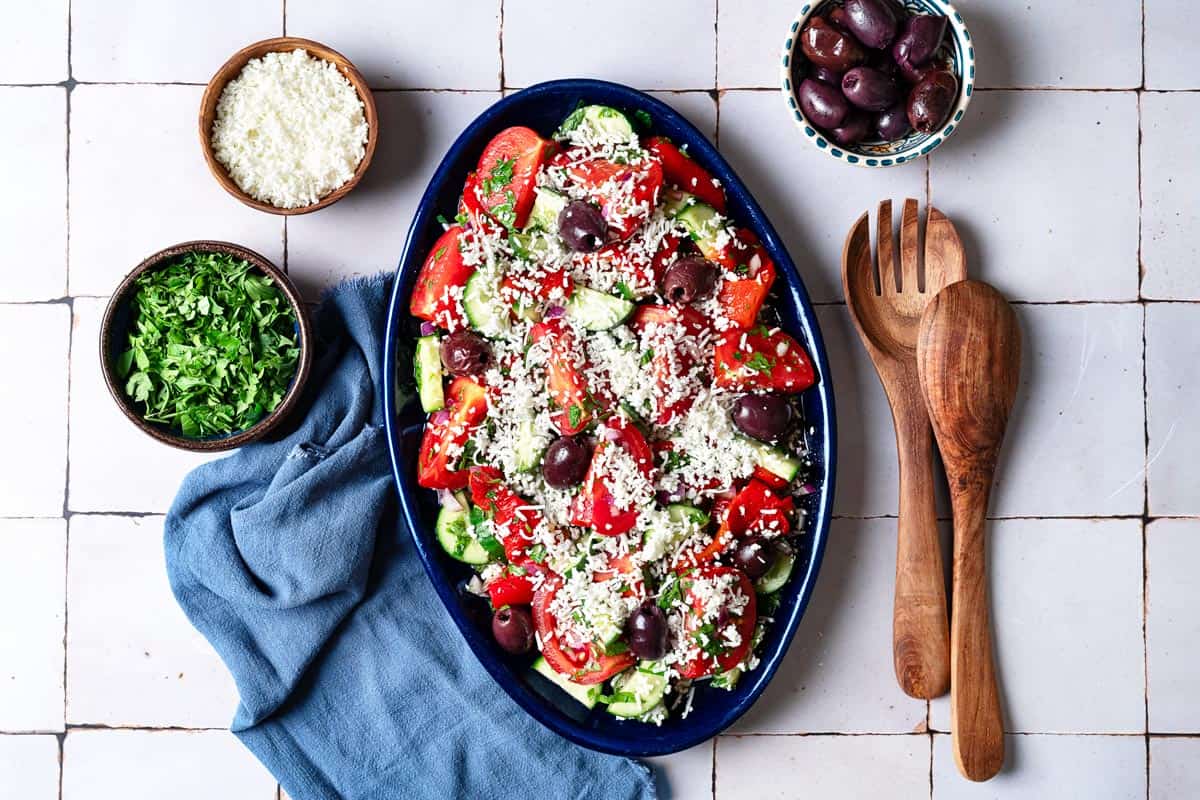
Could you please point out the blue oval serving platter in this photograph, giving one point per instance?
(542, 107)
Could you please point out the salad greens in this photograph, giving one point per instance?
(213, 345)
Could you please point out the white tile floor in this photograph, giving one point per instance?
(1073, 182)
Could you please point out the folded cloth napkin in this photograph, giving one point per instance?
(290, 557)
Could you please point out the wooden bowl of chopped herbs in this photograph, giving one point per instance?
(206, 346)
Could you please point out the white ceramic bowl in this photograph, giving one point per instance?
(957, 48)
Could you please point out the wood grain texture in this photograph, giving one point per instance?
(230, 70)
(886, 307)
(969, 359)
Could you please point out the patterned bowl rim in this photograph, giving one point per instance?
(921, 146)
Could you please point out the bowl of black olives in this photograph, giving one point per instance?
(878, 82)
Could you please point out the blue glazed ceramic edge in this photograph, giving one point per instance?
(723, 709)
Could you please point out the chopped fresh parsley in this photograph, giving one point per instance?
(647, 355)
(623, 289)
(213, 347)
(670, 594)
(500, 176)
(575, 414)
(616, 648)
(676, 459)
(537, 553)
(707, 640)
(760, 363)
(643, 119)
(505, 213)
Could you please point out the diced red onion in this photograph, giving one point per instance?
(448, 501)
(666, 498)
(440, 418)
(554, 312)
(427, 328)
(610, 434)
(806, 489)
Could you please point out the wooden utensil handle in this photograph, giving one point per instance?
(920, 629)
(975, 718)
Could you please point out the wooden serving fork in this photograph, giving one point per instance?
(886, 305)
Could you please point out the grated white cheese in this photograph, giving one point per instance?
(290, 129)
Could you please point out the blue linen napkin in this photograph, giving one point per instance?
(290, 557)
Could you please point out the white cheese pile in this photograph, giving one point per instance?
(290, 129)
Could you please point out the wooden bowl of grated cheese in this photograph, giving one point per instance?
(288, 125)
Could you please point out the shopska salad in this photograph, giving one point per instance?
(611, 426)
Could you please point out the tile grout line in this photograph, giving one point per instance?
(1145, 413)
(70, 87)
(500, 44)
(713, 779)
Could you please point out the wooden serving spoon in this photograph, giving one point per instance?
(969, 361)
(887, 313)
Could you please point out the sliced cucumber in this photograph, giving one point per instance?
(481, 301)
(705, 226)
(427, 370)
(596, 122)
(774, 460)
(637, 691)
(547, 205)
(597, 311)
(588, 695)
(455, 537)
(776, 576)
(681, 512)
(675, 201)
(727, 680)
(529, 445)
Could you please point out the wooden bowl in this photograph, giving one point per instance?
(114, 333)
(230, 70)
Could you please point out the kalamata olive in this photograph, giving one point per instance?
(930, 101)
(688, 279)
(566, 461)
(582, 227)
(882, 61)
(823, 104)
(873, 22)
(647, 629)
(892, 123)
(512, 628)
(826, 75)
(754, 557)
(465, 353)
(825, 45)
(837, 18)
(913, 73)
(920, 38)
(854, 128)
(763, 416)
(870, 89)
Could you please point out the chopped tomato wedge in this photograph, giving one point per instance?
(564, 377)
(585, 665)
(625, 208)
(755, 509)
(745, 290)
(565, 660)
(600, 667)
(766, 360)
(681, 171)
(512, 514)
(718, 656)
(466, 408)
(669, 360)
(471, 206)
(695, 322)
(506, 173)
(510, 590)
(442, 271)
(555, 285)
(581, 509)
(607, 517)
